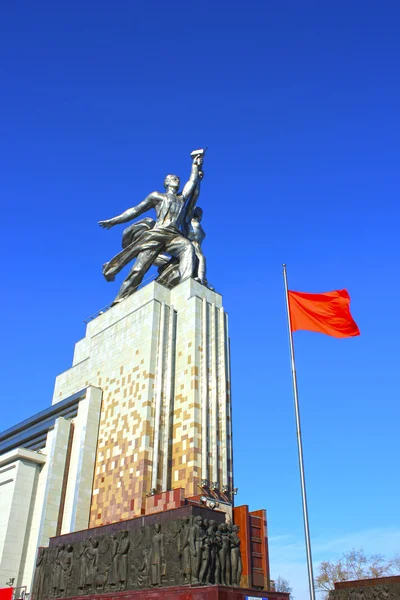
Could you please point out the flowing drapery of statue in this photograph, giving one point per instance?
(172, 242)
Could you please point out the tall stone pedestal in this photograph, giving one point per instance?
(161, 358)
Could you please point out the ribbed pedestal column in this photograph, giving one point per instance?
(161, 358)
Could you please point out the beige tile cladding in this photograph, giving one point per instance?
(161, 358)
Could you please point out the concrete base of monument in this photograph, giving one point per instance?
(187, 592)
(165, 549)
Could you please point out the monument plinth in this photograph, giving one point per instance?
(161, 358)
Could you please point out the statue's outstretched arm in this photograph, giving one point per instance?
(191, 184)
(190, 206)
(132, 213)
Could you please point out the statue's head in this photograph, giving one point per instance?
(235, 528)
(197, 213)
(157, 527)
(173, 182)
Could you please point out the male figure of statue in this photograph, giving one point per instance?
(197, 536)
(145, 240)
(184, 550)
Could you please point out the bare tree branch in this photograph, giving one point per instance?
(354, 565)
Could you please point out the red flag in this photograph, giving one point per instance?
(326, 313)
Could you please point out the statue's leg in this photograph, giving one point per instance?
(228, 569)
(239, 570)
(143, 262)
(184, 251)
(202, 571)
(223, 564)
(217, 573)
(201, 269)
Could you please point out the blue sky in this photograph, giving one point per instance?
(299, 105)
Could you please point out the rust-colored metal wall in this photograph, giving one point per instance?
(254, 547)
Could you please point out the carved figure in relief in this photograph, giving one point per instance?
(82, 559)
(224, 554)
(91, 553)
(66, 564)
(204, 574)
(172, 568)
(385, 593)
(184, 550)
(137, 537)
(211, 534)
(143, 571)
(38, 584)
(122, 558)
(56, 570)
(103, 564)
(197, 535)
(51, 560)
(61, 573)
(157, 561)
(236, 559)
(218, 546)
(113, 569)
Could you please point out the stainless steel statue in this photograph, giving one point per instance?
(172, 242)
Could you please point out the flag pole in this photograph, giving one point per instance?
(299, 445)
